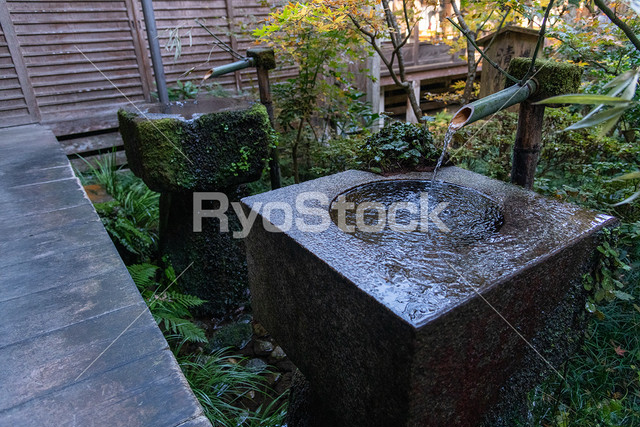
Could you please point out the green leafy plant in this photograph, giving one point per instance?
(241, 165)
(170, 309)
(601, 383)
(619, 97)
(399, 146)
(606, 283)
(182, 91)
(315, 39)
(132, 218)
(226, 388)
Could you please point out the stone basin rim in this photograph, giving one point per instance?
(190, 110)
(502, 193)
(478, 192)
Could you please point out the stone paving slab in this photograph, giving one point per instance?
(65, 305)
(38, 245)
(77, 343)
(41, 198)
(142, 393)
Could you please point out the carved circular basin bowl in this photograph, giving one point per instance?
(203, 145)
(417, 214)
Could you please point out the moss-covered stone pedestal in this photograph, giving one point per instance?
(201, 146)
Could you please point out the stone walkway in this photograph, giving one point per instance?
(77, 345)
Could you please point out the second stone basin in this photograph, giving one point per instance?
(425, 327)
(204, 145)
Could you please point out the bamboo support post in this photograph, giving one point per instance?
(528, 143)
(265, 61)
(553, 79)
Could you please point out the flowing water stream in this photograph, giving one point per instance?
(447, 140)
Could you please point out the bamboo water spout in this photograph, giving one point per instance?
(493, 103)
(551, 79)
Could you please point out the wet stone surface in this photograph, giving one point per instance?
(209, 145)
(424, 348)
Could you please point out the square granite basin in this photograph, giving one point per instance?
(442, 330)
(199, 145)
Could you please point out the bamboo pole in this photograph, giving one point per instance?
(493, 103)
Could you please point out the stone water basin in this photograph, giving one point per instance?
(417, 328)
(207, 144)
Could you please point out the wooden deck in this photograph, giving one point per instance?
(78, 346)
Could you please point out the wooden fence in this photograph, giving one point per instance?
(70, 64)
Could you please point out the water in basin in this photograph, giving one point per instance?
(417, 279)
(468, 215)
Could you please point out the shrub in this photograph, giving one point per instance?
(398, 146)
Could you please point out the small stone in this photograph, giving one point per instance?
(259, 330)
(285, 365)
(245, 318)
(256, 365)
(278, 353)
(262, 348)
(235, 335)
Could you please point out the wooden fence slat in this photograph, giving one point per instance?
(9, 34)
(87, 17)
(51, 81)
(44, 7)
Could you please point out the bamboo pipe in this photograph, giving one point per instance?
(234, 66)
(493, 103)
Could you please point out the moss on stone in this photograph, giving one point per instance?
(264, 57)
(214, 151)
(232, 146)
(212, 262)
(235, 335)
(554, 78)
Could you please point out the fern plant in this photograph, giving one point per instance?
(170, 309)
(132, 218)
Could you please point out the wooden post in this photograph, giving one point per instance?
(526, 149)
(13, 45)
(373, 86)
(137, 36)
(553, 78)
(416, 44)
(265, 61)
(381, 108)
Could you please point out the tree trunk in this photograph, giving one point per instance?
(471, 72)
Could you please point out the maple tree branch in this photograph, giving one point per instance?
(540, 42)
(495, 34)
(618, 23)
(484, 56)
(372, 41)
